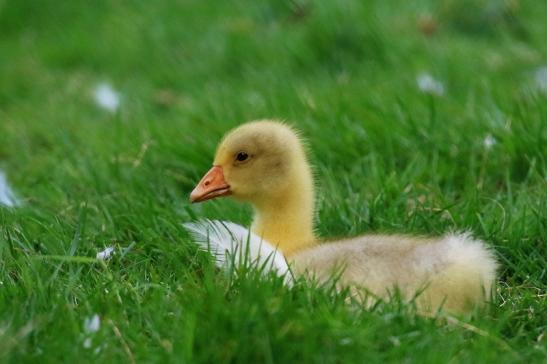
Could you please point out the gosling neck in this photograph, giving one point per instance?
(287, 221)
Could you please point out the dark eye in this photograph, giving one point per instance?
(242, 156)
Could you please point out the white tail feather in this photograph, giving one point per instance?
(229, 242)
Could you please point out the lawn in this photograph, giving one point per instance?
(421, 116)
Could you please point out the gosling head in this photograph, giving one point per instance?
(256, 162)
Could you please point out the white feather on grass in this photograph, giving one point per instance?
(234, 244)
(106, 253)
(106, 97)
(7, 196)
(429, 85)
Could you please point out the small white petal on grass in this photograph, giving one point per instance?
(489, 141)
(87, 343)
(106, 97)
(395, 340)
(540, 77)
(346, 341)
(92, 324)
(428, 84)
(105, 254)
(7, 197)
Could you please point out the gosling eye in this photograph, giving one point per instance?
(242, 157)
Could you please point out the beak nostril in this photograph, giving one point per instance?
(211, 185)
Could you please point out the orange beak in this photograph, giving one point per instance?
(212, 185)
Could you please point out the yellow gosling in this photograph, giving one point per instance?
(264, 163)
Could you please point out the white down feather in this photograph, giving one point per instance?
(232, 243)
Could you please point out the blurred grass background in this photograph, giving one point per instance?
(388, 155)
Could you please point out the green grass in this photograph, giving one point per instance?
(388, 158)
